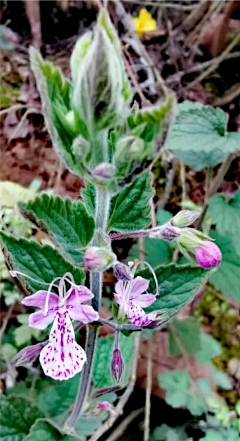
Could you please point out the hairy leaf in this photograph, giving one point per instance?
(42, 263)
(17, 416)
(178, 285)
(130, 209)
(227, 278)
(66, 222)
(226, 216)
(199, 136)
(88, 196)
(42, 430)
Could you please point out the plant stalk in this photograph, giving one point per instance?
(101, 219)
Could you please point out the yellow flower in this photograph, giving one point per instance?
(144, 22)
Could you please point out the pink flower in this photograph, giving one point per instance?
(208, 255)
(129, 296)
(62, 357)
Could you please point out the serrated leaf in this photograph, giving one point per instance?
(188, 331)
(210, 348)
(66, 222)
(177, 385)
(88, 196)
(226, 216)
(22, 334)
(102, 364)
(130, 209)
(178, 285)
(42, 263)
(17, 416)
(196, 405)
(199, 136)
(55, 92)
(43, 431)
(227, 278)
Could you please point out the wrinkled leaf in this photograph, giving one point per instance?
(43, 431)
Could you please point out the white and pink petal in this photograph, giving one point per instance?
(40, 320)
(38, 300)
(138, 286)
(144, 300)
(83, 313)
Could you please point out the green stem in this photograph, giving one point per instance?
(101, 219)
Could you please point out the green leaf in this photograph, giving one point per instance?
(177, 385)
(220, 378)
(188, 331)
(17, 416)
(204, 387)
(88, 196)
(102, 364)
(130, 209)
(178, 285)
(210, 348)
(156, 252)
(66, 222)
(43, 431)
(199, 136)
(58, 398)
(55, 92)
(212, 435)
(42, 263)
(227, 278)
(226, 216)
(196, 405)
(22, 334)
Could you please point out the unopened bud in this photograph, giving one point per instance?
(122, 272)
(104, 172)
(184, 218)
(98, 259)
(208, 255)
(28, 354)
(105, 405)
(117, 365)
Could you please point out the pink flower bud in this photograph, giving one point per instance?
(105, 405)
(104, 171)
(122, 272)
(117, 365)
(208, 255)
(28, 354)
(98, 259)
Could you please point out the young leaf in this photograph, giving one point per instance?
(55, 92)
(102, 364)
(210, 348)
(178, 285)
(226, 216)
(199, 136)
(227, 278)
(43, 431)
(130, 209)
(188, 331)
(177, 385)
(88, 196)
(17, 416)
(66, 222)
(220, 378)
(42, 263)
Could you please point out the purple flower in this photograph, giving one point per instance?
(117, 365)
(208, 255)
(28, 354)
(129, 296)
(62, 357)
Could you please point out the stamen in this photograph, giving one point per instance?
(49, 292)
(152, 271)
(16, 273)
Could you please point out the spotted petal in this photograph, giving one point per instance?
(38, 300)
(62, 358)
(137, 316)
(146, 320)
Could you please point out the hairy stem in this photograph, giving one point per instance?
(101, 219)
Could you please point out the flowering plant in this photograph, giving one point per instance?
(102, 135)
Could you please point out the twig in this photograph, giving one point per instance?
(124, 398)
(183, 180)
(124, 424)
(228, 97)
(11, 108)
(218, 60)
(6, 320)
(215, 185)
(146, 425)
(182, 350)
(169, 183)
(135, 82)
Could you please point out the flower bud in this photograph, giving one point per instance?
(104, 172)
(104, 405)
(28, 354)
(122, 272)
(117, 365)
(98, 259)
(208, 255)
(184, 218)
